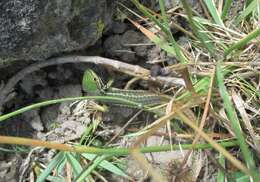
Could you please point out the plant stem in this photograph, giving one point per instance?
(55, 101)
(105, 151)
(242, 42)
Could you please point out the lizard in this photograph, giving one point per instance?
(94, 85)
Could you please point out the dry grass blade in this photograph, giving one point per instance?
(168, 111)
(135, 152)
(203, 119)
(146, 166)
(240, 105)
(234, 122)
(186, 77)
(154, 38)
(232, 159)
(68, 172)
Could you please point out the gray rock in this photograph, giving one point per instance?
(126, 46)
(39, 29)
(118, 27)
(169, 4)
(49, 116)
(34, 119)
(112, 46)
(46, 93)
(30, 81)
(69, 91)
(155, 54)
(134, 37)
(60, 74)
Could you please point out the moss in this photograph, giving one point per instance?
(6, 62)
(80, 5)
(100, 27)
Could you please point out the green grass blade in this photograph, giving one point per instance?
(56, 179)
(201, 36)
(61, 166)
(163, 12)
(162, 43)
(53, 164)
(179, 55)
(202, 86)
(56, 101)
(221, 174)
(74, 163)
(243, 179)
(248, 2)
(146, 12)
(232, 116)
(249, 9)
(237, 176)
(252, 35)
(226, 9)
(214, 12)
(92, 167)
(107, 165)
(248, 88)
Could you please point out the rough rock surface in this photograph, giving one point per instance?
(127, 47)
(39, 29)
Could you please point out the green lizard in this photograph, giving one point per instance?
(93, 85)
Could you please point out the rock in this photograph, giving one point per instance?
(118, 114)
(115, 49)
(32, 80)
(45, 93)
(119, 46)
(9, 170)
(60, 74)
(155, 55)
(70, 122)
(118, 27)
(133, 37)
(39, 29)
(170, 4)
(49, 116)
(33, 119)
(69, 91)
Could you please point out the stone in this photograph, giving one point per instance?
(34, 119)
(49, 116)
(71, 90)
(36, 30)
(30, 81)
(126, 46)
(118, 27)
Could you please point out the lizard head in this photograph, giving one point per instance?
(91, 82)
